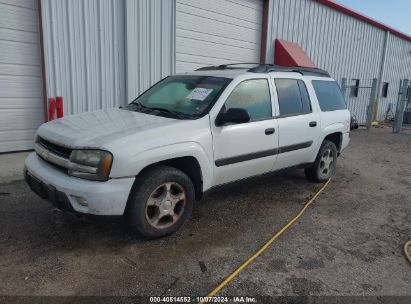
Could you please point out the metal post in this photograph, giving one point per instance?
(399, 96)
(407, 117)
(373, 97)
(344, 87)
(381, 73)
(409, 93)
(401, 103)
(409, 97)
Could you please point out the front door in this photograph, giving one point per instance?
(247, 149)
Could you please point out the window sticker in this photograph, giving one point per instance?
(199, 94)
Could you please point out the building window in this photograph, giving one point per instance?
(355, 88)
(384, 91)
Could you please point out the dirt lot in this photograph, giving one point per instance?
(348, 243)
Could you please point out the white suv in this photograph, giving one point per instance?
(185, 135)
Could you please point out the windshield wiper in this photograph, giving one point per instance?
(176, 114)
(139, 105)
(173, 113)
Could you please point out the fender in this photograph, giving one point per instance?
(135, 164)
(333, 128)
(330, 129)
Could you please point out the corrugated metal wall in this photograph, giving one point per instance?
(103, 53)
(217, 31)
(339, 43)
(84, 52)
(397, 66)
(150, 43)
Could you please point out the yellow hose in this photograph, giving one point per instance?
(273, 238)
(406, 252)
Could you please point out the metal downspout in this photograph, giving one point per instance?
(264, 31)
(42, 59)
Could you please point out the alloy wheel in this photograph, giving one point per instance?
(165, 206)
(327, 163)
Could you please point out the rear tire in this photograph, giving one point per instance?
(324, 165)
(160, 202)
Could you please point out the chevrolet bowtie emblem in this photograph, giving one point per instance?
(44, 154)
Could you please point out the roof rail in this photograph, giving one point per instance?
(267, 68)
(227, 66)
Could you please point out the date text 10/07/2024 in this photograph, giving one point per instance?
(223, 299)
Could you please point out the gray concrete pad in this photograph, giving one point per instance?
(11, 166)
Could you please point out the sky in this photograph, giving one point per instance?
(394, 13)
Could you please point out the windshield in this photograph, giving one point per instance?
(182, 96)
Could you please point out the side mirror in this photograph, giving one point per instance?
(232, 115)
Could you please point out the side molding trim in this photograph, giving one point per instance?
(261, 154)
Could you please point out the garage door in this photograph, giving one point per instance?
(21, 105)
(216, 32)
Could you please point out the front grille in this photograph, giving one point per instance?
(55, 166)
(53, 148)
(62, 154)
(59, 156)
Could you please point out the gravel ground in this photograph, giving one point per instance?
(348, 243)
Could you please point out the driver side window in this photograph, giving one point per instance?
(252, 95)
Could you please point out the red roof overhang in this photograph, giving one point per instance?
(289, 53)
(348, 11)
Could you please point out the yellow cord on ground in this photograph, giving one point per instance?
(406, 252)
(262, 249)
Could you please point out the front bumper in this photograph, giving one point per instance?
(71, 193)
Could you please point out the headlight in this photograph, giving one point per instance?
(91, 164)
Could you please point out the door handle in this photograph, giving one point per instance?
(269, 131)
(313, 124)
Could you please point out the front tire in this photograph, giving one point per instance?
(160, 202)
(324, 165)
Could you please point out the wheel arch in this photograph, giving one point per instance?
(187, 164)
(334, 133)
(336, 138)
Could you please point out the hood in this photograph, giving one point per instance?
(95, 129)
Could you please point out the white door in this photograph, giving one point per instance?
(21, 103)
(216, 32)
(247, 149)
(298, 124)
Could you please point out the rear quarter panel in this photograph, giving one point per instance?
(330, 121)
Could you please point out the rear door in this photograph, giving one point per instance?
(248, 149)
(298, 122)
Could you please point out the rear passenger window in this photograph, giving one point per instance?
(253, 96)
(293, 98)
(329, 95)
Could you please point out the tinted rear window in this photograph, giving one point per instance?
(329, 95)
(293, 97)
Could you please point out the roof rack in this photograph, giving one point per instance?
(267, 68)
(229, 66)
